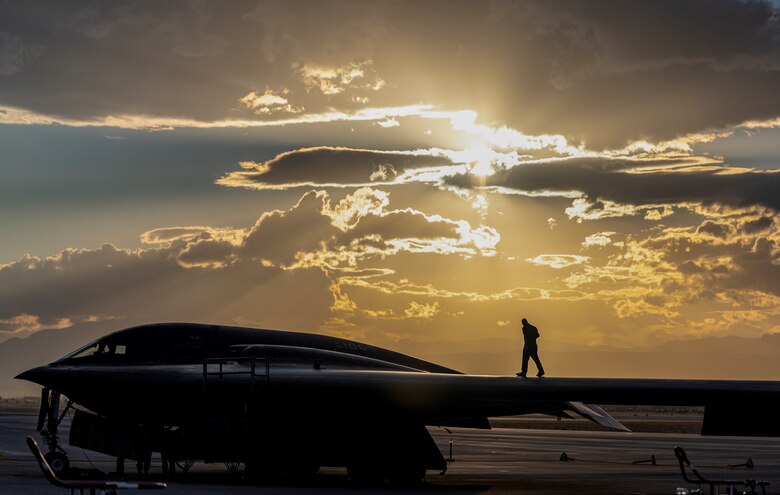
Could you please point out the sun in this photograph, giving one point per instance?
(482, 169)
(481, 161)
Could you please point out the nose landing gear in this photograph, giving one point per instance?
(49, 419)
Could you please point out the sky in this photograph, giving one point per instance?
(405, 173)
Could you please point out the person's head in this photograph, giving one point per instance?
(525, 322)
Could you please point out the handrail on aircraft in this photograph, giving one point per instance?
(252, 371)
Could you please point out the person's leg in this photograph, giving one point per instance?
(537, 361)
(526, 355)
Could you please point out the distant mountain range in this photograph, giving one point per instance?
(712, 357)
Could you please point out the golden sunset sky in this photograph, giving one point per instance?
(417, 175)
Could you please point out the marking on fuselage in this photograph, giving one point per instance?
(352, 346)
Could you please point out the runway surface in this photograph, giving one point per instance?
(497, 461)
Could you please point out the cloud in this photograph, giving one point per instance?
(418, 310)
(166, 235)
(332, 81)
(157, 284)
(717, 274)
(147, 121)
(758, 225)
(15, 54)
(361, 228)
(616, 187)
(330, 166)
(591, 71)
(315, 232)
(583, 209)
(202, 246)
(278, 235)
(356, 262)
(599, 239)
(203, 273)
(549, 116)
(25, 323)
(407, 288)
(346, 240)
(388, 123)
(268, 103)
(558, 261)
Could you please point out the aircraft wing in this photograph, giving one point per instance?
(731, 407)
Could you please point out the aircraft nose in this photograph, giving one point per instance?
(37, 375)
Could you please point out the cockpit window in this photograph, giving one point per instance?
(87, 351)
(101, 351)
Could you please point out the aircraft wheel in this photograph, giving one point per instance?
(408, 475)
(58, 461)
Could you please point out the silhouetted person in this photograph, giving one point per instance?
(530, 349)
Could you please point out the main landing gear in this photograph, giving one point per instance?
(400, 453)
(49, 419)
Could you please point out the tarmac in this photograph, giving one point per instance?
(502, 460)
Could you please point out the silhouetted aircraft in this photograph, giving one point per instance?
(287, 402)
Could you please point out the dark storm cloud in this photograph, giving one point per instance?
(715, 29)
(659, 103)
(600, 70)
(603, 71)
(101, 58)
(326, 165)
(605, 179)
